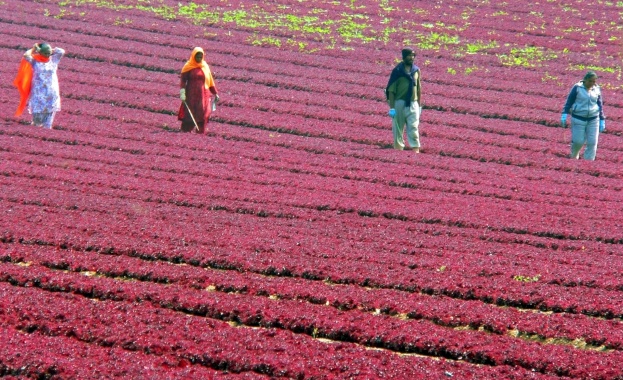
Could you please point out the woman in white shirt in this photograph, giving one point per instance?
(38, 83)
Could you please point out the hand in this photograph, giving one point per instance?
(183, 94)
(216, 98)
(421, 111)
(602, 125)
(563, 120)
(392, 113)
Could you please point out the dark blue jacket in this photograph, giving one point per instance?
(399, 71)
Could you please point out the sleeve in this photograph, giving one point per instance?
(211, 83)
(392, 80)
(28, 56)
(570, 100)
(184, 79)
(391, 89)
(57, 54)
(212, 87)
(600, 103)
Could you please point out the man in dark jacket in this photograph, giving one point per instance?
(403, 94)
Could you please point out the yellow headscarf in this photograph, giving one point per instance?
(192, 64)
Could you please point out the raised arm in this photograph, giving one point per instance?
(28, 54)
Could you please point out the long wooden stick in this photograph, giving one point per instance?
(191, 116)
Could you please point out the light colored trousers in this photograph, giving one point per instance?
(409, 116)
(584, 132)
(44, 120)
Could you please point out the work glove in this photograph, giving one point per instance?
(421, 111)
(563, 120)
(602, 125)
(392, 113)
(183, 94)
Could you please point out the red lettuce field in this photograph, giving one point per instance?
(291, 241)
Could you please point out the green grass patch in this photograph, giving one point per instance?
(528, 56)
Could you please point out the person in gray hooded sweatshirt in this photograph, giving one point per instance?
(585, 105)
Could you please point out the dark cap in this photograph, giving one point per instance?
(45, 48)
(406, 52)
(589, 75)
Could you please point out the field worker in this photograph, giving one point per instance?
(585, 105)
(37, 83)
(403, 93)
(196, 90)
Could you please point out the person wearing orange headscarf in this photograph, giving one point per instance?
(37, 83)
(196, 89)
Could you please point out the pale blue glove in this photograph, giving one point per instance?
(563, 120)
(602, 125)
(392, 113)
(420, 111)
